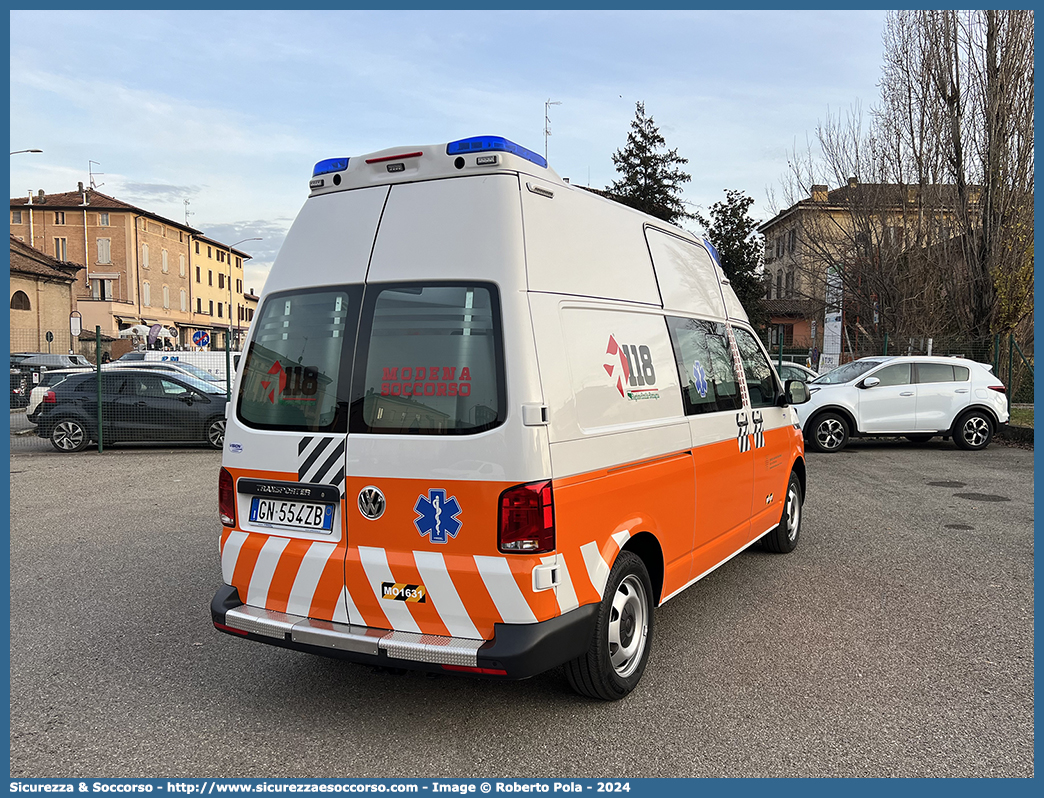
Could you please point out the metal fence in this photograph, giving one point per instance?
(1012, 364)
(61, 399)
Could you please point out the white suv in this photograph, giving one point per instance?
(915, 397)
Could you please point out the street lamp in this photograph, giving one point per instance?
(228, 338)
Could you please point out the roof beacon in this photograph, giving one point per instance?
(330, 165)
(480, 143)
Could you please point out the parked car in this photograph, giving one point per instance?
(55, 361)
(54, 376)
(914, 397)
(22, 382)
(213, 362)
(137, 405)
(795, 371)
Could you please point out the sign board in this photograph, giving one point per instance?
(49, 336)
(201, 338)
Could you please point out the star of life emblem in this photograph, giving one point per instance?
(437, 516)
(699, 379)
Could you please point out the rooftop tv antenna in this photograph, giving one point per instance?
(188, 213)
(547, 121)
(91, 174)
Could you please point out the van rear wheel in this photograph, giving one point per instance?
(619, 650)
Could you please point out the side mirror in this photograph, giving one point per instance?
(797, 392)
(870, 382)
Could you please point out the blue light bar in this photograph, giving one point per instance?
(330, 165)
(486, 143)
(713, 251)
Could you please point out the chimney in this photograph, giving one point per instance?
(819, 193)
(79, 186)
(40, 197)
(852, 182)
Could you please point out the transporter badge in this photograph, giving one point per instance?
(437, 516)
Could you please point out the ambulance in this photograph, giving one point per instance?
(487, 421)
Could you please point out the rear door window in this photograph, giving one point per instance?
(429, 360)
(297, 373)
(704, 361)
(934, 372)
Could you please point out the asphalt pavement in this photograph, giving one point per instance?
(897, 640)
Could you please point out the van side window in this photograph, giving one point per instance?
(429, 360)
(299, 362)
(701, 352)
(761, 382)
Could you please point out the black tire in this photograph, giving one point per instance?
(973, 430)
(828, 432)
(619, 651)
(919, 438)
(215, 432)
(69, 435)
(784, 538)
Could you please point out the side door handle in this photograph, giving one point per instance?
(906, 393)
(961, 390)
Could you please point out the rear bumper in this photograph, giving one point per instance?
(517, 651)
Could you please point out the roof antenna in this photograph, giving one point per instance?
(547, 121)
(188, 213)
(92, 174)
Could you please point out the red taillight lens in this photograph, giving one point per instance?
(527, 519)
(997, 388)
(50, 398)
(227, 498)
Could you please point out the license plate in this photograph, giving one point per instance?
(291, 515)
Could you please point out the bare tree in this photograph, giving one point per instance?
(932, 223)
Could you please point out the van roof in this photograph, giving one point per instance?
(478, 154)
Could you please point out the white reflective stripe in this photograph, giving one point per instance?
(597, 569)
(229, 555)
(622, 537)
(564, 591)
(504, 590)
(443, 594)
(340, 614)
(307, 580)
(375, 564)
(264, 570)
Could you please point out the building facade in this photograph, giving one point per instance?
(139, 267)
(43, 297)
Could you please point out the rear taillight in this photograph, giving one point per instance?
(997, 388)
(50, 398)
(227, 498)
(527, 519)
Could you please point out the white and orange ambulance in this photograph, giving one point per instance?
(487, 421)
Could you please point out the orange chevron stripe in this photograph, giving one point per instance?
(285, 574)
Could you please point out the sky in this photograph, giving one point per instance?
(230, 110)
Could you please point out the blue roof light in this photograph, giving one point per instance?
(713, 251)
(330, 165)
(480, 143)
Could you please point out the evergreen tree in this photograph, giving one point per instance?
(650, 178)
(734, 234)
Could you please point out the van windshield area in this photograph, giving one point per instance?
(429, 360)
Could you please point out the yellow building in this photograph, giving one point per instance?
(217, 282)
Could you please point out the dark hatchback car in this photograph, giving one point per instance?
(136, 406)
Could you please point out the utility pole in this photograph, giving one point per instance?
(547, 122)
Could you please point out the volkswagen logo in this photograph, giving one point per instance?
(371, 502)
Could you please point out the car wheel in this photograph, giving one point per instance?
(784, 538)
(216, 432)
(973, 430)
(69, 435)
(619, 650)
(828, 433)
(918, 438)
